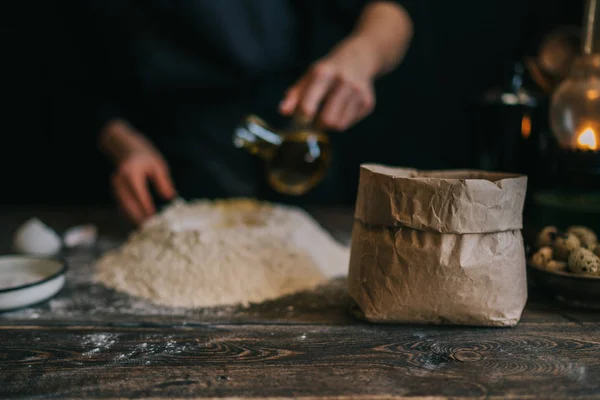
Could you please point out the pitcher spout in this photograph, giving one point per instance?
(257, 137)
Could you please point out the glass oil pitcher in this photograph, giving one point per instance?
(296, 159)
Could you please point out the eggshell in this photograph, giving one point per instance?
(81, 235)
(35, 237)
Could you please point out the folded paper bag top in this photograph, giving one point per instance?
(441, 201)
(438, 247)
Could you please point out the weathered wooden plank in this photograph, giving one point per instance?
(288, 361)
(86, 303)
(82, 301)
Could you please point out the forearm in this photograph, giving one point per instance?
(384, 31)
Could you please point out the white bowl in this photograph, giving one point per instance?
(26, 280)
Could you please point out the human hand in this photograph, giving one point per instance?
(337, 91)
(137, 164)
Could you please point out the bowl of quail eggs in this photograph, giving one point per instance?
(567, 264)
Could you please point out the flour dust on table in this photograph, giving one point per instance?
(226, 252)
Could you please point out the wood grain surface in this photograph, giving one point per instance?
(302, 346)
(309, 360)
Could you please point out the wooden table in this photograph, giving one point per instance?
(89, 342)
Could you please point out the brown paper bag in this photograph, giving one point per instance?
(439, 247)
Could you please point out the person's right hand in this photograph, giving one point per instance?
(130, 184)
(138, 164)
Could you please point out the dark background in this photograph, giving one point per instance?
(460, 49)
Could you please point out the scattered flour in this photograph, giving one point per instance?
(158, 345)
(98, 342)
(228, 252)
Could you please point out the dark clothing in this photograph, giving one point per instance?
(186, 72)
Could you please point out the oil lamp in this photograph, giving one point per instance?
(575, 105)
(572, 192)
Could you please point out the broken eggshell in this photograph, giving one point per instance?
(81, 235)
(35, 237)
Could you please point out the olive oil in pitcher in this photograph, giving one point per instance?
(296, 160)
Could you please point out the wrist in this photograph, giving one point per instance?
(364, 53)
(118, 140)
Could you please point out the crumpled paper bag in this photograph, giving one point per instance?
(440, 247)
(441, 201)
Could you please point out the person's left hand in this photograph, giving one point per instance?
(337, 91)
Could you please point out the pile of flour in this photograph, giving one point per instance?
(210, 253)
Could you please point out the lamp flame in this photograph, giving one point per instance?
(587, 140)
